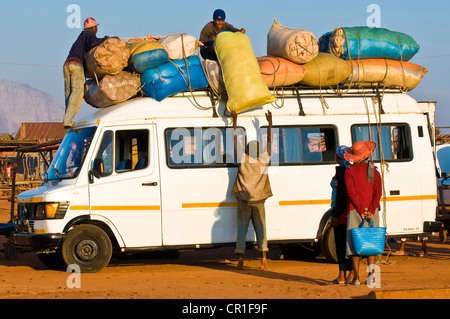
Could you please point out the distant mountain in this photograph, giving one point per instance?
(21, 103)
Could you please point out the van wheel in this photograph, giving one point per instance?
(328, 245)
(10, 250)
(87, 246)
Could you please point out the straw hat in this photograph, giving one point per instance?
(360, 151)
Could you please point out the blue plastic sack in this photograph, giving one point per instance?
(368, 241)
(174, 77)
(149, 59)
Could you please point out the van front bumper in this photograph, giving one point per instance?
(38, 242)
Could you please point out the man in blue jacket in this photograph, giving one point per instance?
(74, 69)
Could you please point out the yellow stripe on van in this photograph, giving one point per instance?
(418, 197)
(203, 205)
(305, 202)
(86, 207)
(79, 207)
(150, 207)
(328, 201)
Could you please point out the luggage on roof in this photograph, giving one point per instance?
(326, 70)
(389, 73)
(111, 89)
(146, 54)
(296, 45)
(369, 43)
(278, 72)
(180, 46)
(174, 77)
(241, 73)
(108, 58)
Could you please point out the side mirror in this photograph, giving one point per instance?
(443, 174)
(98, 167)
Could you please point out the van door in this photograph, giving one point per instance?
(127, 194)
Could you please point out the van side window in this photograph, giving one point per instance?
(131, 150)
(301, 145)
(105, 152)
(395, 140)
(202, 147)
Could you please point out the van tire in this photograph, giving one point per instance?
(87, 246)
(328, 245)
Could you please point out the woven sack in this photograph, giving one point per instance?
(180, 46)
(111, 89)
(371, 43)
(241, 73)
(278, 72)
(108, 58)
(388, 73)
(326, 70)
(368, 241)
(296, 45)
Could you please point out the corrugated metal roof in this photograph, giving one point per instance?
(5, 137)
(44, 131)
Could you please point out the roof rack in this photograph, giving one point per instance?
(292, 90)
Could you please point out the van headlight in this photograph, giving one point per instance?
(51, 210)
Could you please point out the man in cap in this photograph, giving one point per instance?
(74, 69)
(209, 33)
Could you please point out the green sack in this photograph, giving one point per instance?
(372, 43)
(326, 70)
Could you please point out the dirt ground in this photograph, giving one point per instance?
(212, 274)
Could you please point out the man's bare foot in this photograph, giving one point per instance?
(240, 264)
(264, 264)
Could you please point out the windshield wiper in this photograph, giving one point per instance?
(58, 173)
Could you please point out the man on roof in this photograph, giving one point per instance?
(209, 33)
(74, 69)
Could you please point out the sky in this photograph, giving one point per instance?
(36, 35)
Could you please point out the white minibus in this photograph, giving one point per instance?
(145, 175)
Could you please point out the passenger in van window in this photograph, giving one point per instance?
(252, 188)
(363, 182)
(73, 160)
(339, 210)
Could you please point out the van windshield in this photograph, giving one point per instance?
(70, 155)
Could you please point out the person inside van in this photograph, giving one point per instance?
(251, 189)
(209, 33)
(363, 182)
